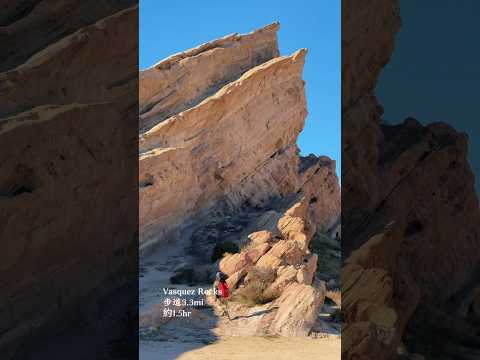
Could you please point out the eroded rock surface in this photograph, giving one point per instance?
(66, 222)
(237, 146)
(417, 176)
(219, 165)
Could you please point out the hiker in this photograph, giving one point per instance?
(222, 292)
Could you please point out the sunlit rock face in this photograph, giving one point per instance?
(219, 162)
(218, 131)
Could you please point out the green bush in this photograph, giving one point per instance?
(224, 247)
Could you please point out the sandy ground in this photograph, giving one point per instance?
(207, 336)
(242, 348)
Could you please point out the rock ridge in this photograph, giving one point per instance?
(220, 148)
(415, 176)
(179, 82)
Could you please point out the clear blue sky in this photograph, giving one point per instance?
(433, 74)
(172, 26)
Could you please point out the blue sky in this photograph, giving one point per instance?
(173, 26)
(433, 74)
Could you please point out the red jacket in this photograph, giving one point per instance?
(223, 287)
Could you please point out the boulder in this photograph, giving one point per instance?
(230, 264)
(261, 237)
(255, 253)
(297, 312)
(285, 276)
(291, 224)
(235, 278)
(269, 261)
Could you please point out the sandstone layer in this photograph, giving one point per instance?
(416, 176)
(67, 185)
(236, 147)
(284, 267)
(219, 165)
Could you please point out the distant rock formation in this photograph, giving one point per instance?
(415, 176)
(67, 228)
(219, 163)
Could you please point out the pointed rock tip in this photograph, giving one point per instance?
(300, 54)
(272, 26)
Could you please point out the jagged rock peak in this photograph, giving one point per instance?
(184, 79)
(218, 130)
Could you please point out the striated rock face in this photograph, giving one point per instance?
(377, 301)
(183, 80)
(284, 269)
(66, 222)
(219, 163)
(219, 129)
(417, 176)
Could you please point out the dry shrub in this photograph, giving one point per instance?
(255, 291)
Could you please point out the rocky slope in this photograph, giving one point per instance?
(235, 147)
(66, 221)
(219, 165)
(415, 176)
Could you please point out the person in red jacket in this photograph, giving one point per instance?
(222, 292)
(223, 289)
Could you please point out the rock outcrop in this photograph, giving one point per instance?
(219, 130)
(280, 272)
(219, 164)
(67, 222)
(417, 176)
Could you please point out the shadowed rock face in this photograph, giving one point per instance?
(219, 129)
(417, 176)
(66, 222)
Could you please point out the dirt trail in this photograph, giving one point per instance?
(244, 348)
(206, 334)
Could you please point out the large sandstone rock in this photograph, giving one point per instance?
(201, 157)
(219, 125)
(185, 79)
(218, 131)
(298, 308)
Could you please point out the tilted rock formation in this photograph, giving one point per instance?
(66, 222)
(219, 163)
(183, 80)
(291, 267)
(417, 176)
(218, 152)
